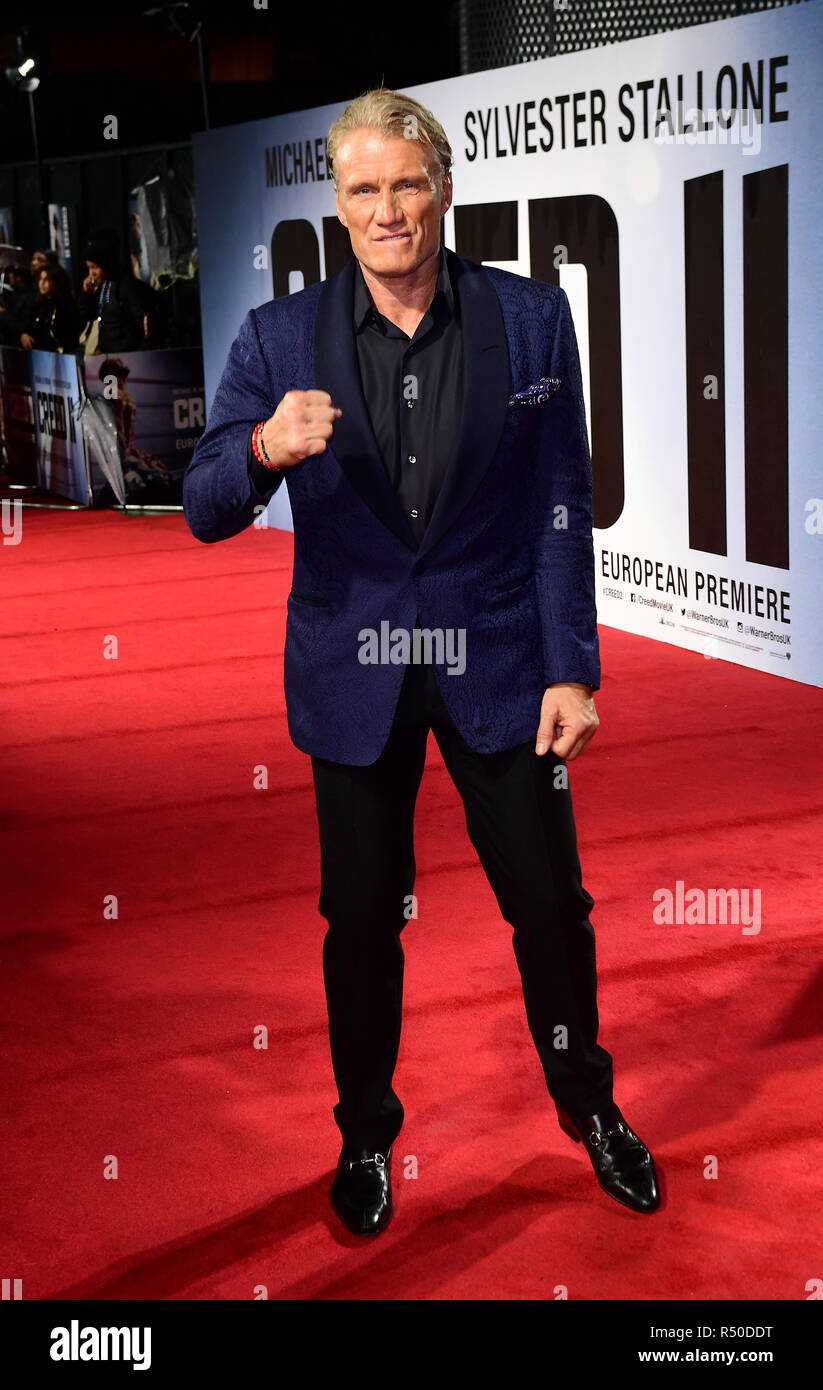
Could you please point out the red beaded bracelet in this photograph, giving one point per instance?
(259, 447)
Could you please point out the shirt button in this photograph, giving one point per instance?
(414, 511)
(412, 458)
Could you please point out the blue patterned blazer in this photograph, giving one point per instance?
(507, 555)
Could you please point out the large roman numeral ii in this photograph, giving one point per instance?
(765, 364)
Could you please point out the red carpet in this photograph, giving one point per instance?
(133, 1037)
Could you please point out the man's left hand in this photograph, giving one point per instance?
(568, 719)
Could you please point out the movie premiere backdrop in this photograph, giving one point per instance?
(671, 186)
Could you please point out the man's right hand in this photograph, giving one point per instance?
(300, 426)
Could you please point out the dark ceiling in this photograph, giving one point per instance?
(102, 59)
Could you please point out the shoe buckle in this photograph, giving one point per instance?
(596, 1137)
(378, 1159)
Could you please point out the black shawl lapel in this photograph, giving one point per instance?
(486, 389)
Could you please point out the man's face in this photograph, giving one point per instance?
(38, 260)
(387, 198)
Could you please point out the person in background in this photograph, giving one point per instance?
(113, 302)
(39, 259)
(55, 321)
(18, 306)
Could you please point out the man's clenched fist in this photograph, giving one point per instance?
(301, 425)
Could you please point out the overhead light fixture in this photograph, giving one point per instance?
(23, 76)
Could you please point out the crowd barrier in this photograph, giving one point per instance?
(102, 430)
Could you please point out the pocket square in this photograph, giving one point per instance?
(539, 391)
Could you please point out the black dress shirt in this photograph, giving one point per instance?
(413, 390)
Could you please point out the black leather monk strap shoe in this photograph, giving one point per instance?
(361, 1191)
(623, 1165)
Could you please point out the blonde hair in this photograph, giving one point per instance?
(392, 113)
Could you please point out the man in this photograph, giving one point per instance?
(427, 415)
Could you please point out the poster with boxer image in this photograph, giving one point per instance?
(157, 404)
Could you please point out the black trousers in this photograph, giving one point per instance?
(519, 818)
